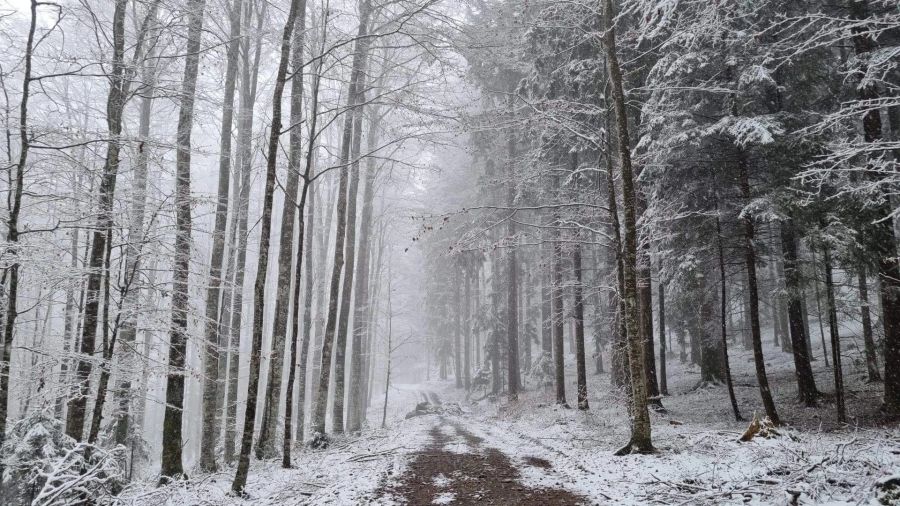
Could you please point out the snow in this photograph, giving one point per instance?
(444, 498)
(441, 481)
(699, 459)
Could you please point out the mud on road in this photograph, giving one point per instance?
(455, 468)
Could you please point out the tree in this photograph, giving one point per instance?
(640, 426)
(232, 314)
(579, 330)
(262, 266)
(99, 262)
(805, 381)
(213, 324)
(12, 226)
(318, 423)
(172, 422)
(296, 156)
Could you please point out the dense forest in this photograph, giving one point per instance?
(450, 252)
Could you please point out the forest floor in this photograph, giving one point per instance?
(535, 452)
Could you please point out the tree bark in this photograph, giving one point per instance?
(815, 281)
(299, 202)
(753, 292)
(12, 229)
(663, 382)
(457, 334)
(318, 422)
(806, 383)
(581, 367)
(556, 316)
(210, 434)
(640, 426)
(238, 261)
(356, 410)
(133, 252)
(271, 403)
(115, 105)
(467, 322)
(868, 339)
(835, 339)
(357, 100)
(262, 266)
(512, 284)
(883, 229)
(172, 422)
(619, 352)
(723, 320)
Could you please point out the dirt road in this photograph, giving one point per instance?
(457, 467)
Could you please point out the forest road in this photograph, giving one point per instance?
(457, 468)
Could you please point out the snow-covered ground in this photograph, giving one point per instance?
(699, 459)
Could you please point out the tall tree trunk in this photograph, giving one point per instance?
(234, 322)
(133, 252)
(882, 230)
(303, 362)
(115, 105)
(745, 315)
(784, 318)
(723, 301)
(271, 402)
(619, 352)
(106, 355)
(640, 426)
(390, 349)
(69, 326)
(296, 156)
(457, 335)
(356, 410)
(512, 282)
(376, 289)
(556, 315)
(172, 441)
(308, 245)
(318, 422)
(581, 367)
(645, 300)
(753, 292)
(815, 281)
(467, 321)
(703, 330)
(806, 383)
(262, 266)
(868, 339)
(663, 383)
(329, 212)
(364, 285)
(350, 243)
(12, 229)
(210, 433)
(546, 311)
(528, 333)
(835, 338)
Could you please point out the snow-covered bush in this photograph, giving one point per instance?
(44, 466)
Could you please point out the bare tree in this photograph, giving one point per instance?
(318, 422)
(259, 286)
(172, 422)
(232, 316)
(12, 226)
(296, 157)
(210, 433)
